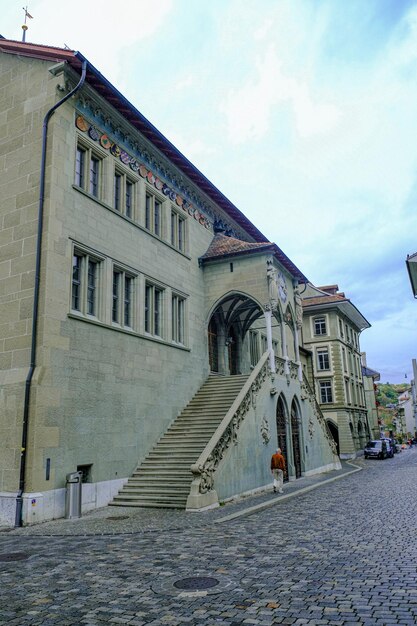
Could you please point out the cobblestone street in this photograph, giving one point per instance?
(342, 553)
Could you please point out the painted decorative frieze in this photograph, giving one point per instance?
(123, 146)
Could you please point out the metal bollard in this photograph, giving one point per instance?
(73, 495)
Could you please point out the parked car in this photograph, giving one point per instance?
(376, 449)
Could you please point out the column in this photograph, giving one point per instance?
(284, 349)
(268, 323)
(297, 355)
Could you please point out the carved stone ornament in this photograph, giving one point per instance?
(266, 436)
(311, 427)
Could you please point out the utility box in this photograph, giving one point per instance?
(73, 495)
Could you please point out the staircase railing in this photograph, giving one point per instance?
(226, 433)
(305, 385)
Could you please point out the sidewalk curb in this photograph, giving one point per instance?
(267, 505)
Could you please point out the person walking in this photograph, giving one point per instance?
(277, 469)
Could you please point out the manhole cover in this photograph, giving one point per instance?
(116, 518)
(195, 583)
(14, 556)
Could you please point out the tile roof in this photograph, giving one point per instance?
(222, 245)
(324, 299)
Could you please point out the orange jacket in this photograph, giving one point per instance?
(277, 462)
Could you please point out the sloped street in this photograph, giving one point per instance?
(342, 553)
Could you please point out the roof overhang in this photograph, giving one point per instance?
(411, 263)
(345, 307)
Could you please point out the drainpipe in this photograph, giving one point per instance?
(23, 451)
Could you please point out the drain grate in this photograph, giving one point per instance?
(14, 556)
(196, 583)
(116, 518)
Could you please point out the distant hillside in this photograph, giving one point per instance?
(388, 394)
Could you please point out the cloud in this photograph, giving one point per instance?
(249, 108)
(101, 30)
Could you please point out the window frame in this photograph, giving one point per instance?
(327, 387)
(154, 309)
(120, 305)
(178, 313)
(85, 178)
(178, 239)
(152, 223)
(323, 352)
(84, 287)
(120, 195)
(323, 323)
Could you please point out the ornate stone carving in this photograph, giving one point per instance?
(265, 434)
(298, 307)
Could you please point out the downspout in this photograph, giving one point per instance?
(19, 497)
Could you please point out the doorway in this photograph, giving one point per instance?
(282, 433)
(296, 443)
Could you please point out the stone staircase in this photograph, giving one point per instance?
(164, 478)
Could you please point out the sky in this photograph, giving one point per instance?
(302, 112)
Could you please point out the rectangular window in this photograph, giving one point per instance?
(347, 391)
(178, 307)
(345, 369)
(92, 287)
(85, 283)
(177, 231)
(320, 326)
(94, 175)
(122, 298)
(153, 310)
(80, 167)
(76, 281)
(323, 362)
(124, 194)
(129, 198)
(153, 214)
(117, 191)
(341, 329)
(326, 395)
(88, 170)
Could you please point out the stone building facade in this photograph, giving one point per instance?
(331, 330)
(126, 278)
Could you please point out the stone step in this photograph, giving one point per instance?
(146, 505)
(158, 481)
(168, 498)
(157, 490)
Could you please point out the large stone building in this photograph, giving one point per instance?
(370, 378)
(148, 330)
(331, 328)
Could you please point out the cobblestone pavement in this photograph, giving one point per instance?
(343, 553)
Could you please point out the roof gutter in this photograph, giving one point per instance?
(35, 313)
